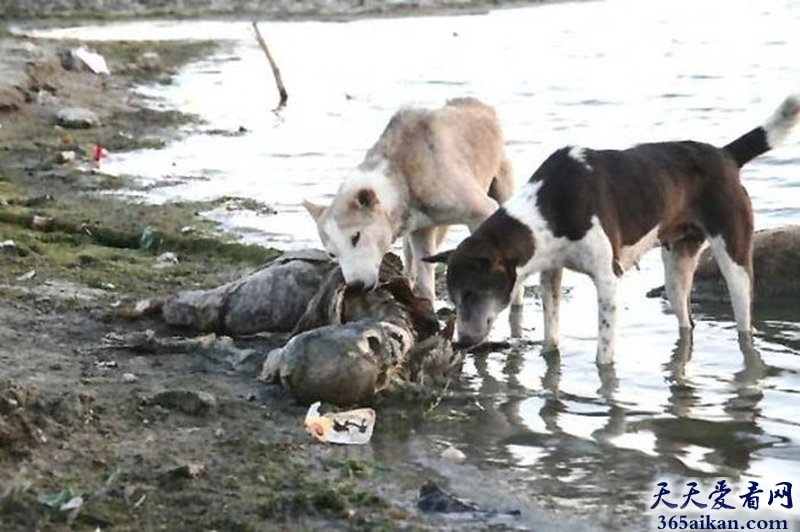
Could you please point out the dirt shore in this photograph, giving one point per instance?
(264, 9)
(77, 419)
(172, 439)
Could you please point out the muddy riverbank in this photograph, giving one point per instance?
(263, 9)
(176, 438)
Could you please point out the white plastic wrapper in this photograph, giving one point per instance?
(353, 427)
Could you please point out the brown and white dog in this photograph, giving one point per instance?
(598, 211)
(429, 168)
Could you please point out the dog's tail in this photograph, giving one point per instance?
(767, 136)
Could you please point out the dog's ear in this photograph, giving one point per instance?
(366, 198)
(314, 209)
(439, 257)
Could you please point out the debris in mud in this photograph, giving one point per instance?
(97, 152)
(433, 499)
(143, 307)
(17, 431)
(148, 238)
(82, 59)
(73, 504)
(28, 418)
(77, 118)
(146, 342)
(233, 203)
(58, 499)
(189, 402)
(34, 201)
(353, 427)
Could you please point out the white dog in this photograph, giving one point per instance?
(429, 169)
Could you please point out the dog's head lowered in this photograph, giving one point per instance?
(480, 281)
(356, 230)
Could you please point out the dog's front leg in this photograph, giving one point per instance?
(550, 284)
(408, 257)
(423, 244)
(515, 313)
(606, 285)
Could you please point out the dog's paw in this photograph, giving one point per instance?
(549, 346)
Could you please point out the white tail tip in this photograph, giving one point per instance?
(782, 120)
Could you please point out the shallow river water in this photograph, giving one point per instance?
(601, 74)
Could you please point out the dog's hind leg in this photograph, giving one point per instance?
(680, 260)
(728, 219)
(738, 276)
(550, 283)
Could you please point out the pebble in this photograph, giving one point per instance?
(30, 274)
(166, 260)
(40, 223)
(129, 377)
(454, 455)
(8, 246)
(77, 118)
(66, 156)
(149, 61)
(190, 470)
(44, 97)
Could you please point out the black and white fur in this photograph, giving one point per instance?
(598, 211)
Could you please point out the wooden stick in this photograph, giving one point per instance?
(275, 70)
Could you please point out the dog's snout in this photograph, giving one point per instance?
(356, 285)
(467, 341)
